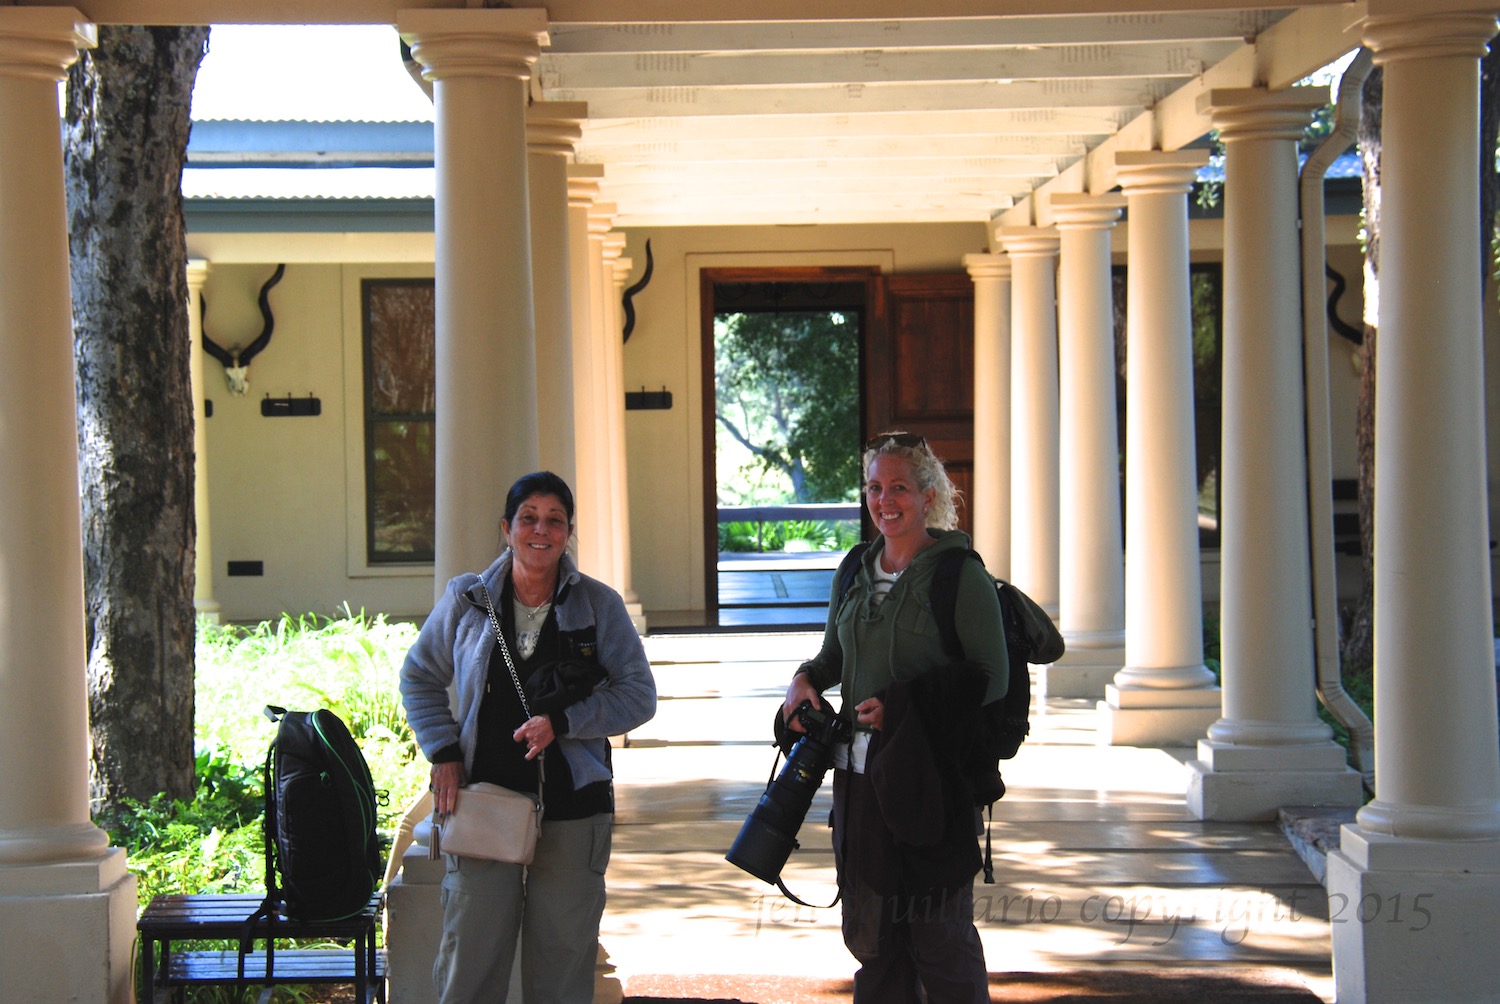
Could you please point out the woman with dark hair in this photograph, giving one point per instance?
(905, 821)
(579, 659)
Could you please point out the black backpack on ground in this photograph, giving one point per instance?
(1030, 638)
(322, 854)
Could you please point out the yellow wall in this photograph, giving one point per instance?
(288, 491)
(283, 491)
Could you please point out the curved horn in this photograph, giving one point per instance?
(1339, 325)
(253, 349)
(213, 348)
(625, 303)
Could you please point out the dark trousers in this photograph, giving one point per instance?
(903, 941)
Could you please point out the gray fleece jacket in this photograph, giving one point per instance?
(456, 643)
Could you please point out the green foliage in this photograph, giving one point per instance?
(210, 844)
(787, 392)
(347, 664)
(789, 535)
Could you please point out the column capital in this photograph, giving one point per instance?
(40, 43)
(1423, 36)
(1086, 212)
(1152, 172)
(614, 246)
(555, 127)
(474, 43)
(988, 266)
(583, 184)
(1258, 113)
(1029, 242)
(197, 273)
(623, 266)
(601, 218)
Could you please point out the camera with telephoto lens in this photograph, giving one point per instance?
(770, 831)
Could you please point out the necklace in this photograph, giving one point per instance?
(531, 613)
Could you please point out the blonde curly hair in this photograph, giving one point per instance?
(926, 468)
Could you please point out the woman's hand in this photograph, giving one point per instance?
(447, 778)
(871, 712)
(799, 690)
(537, 734)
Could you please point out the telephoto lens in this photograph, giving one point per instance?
(769, 834)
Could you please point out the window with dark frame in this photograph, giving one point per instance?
(400, 420)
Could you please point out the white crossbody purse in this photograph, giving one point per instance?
(489, 820)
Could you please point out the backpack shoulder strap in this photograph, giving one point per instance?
(849, 568)
(944, 597)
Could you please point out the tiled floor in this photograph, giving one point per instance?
(1097, 861)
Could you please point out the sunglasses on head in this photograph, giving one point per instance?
(909, 439)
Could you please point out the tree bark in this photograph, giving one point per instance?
(1359, 640)
(125, 138)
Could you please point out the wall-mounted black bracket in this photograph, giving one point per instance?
(294, 407)
(647, 400)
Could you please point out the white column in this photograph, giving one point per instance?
(203, 564)
(989, 506)
(479, 62)
(1431, 838)
(1269, 749)
(553, 128)
(601, 286)
(593, 508)
(617, 275)
(1033, 411)
(67, 904)
(1164, 695)
(1091, 558)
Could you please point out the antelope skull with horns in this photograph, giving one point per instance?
(236, 360)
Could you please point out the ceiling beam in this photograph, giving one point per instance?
(828, 99)
(720, 69)
(996, 150)
(908, 33)
(1068, 124)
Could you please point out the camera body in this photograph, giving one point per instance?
(769, 834)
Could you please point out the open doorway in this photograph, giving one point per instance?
(783, 357)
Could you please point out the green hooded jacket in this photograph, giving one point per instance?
(865, 649)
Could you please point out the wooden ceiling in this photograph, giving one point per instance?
(707, 113)
(905, 119)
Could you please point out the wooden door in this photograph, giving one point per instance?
(919, 368)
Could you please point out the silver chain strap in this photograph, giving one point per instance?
(515, 677)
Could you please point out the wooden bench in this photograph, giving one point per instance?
(222, 918)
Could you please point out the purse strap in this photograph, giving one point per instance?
(515, 678)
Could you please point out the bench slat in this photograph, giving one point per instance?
(300, 965)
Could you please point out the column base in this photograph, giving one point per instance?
(1081, 672)
(1141, 716)
(413, 926)
(1244, 783)
(67, 930)
(1413, 920)
(637, 616)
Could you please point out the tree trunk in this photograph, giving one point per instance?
(126, 132)
(1359, 640)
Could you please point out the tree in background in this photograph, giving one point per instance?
(787, 390)
(126, 132)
